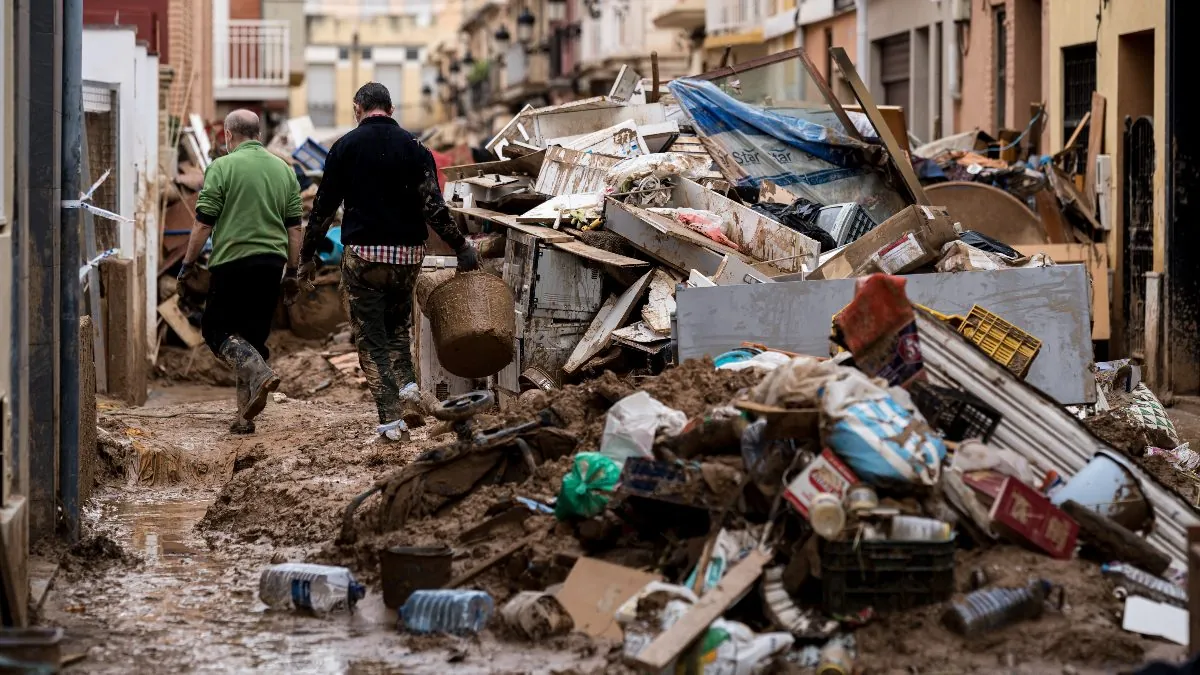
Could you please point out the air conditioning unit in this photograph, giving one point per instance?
(960, 10)
(844, 222)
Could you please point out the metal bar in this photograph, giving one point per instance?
(68, 269)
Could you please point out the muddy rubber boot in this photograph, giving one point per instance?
(242, 426)
(255, 379)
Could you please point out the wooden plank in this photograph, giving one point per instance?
(497, 558)
(895, 153)
(170, 312)
(1104, 191)
(1052, 217)
(1115, 542)
(625, 84)
(551, 212)
(671, 643)
(592, 253)
(1083, 124)
(613, 314)
(1193, 589)
(543, 233)
(1095, 146)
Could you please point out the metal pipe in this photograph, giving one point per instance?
(862, 47)
(70, 259)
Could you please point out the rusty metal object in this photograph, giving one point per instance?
(990, 211)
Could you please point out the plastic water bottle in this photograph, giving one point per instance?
(1140, 582)
(320, 588)
(990, 608)
(447, 611)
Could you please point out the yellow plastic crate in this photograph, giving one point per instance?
(1006, 344)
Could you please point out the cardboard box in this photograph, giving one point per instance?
(595, 589)
(1026, 516)
(826, 473)
(911, 238)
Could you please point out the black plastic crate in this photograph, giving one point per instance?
(957, 414)
(889, 576)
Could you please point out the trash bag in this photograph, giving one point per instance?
(587, 486)
(632, 423)
(879, 434)
(801, 216)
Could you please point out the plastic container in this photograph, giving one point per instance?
(1108, 487)
(887, 575)
(447, 611)
(988, 609)
(473, 320)
(861, 498)
(826, 515)
(916, 528)
(1137, 581)
(957, 414)
(835, 660)
(405, 569)
(1006, 344)
(320, 588)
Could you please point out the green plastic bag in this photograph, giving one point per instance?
(586, 487)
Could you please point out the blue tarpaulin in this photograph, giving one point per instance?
(808, 159)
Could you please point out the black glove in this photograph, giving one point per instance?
(468, 258)
(186, 271)
(291, 286)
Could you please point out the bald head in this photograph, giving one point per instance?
(242, 125)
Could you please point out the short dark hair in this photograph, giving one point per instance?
(373, 96)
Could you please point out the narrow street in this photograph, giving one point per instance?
(151, 589)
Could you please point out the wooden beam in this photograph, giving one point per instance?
(1095, 146)
(671, 643)
(899, 160)
(830, 98)
(1083, 123)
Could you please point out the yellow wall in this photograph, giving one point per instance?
(1073, 22)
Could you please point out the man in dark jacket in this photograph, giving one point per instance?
(388, 183)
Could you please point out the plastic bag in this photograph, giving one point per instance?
(706, 223)
(884, 440)
(633, 422)
(587, 486)
(797, 383)
(974, 455)
(726, 648)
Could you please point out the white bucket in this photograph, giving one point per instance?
(1108, 486)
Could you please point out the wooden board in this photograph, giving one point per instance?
(592, 253)
(545, 234)
(896, 122)
(666, 648)
(613, 314)
(547, 213)
(170, 312)
(593, 592)
(1095, 147)
(895, 151)
(1052, 217)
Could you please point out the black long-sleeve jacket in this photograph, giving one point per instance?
(388, 182)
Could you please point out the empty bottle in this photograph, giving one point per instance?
(1140, 582)
(446, 611)
(990, 608)
(320, 588)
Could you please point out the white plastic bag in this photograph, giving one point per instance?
(632, 423)
(974, 455)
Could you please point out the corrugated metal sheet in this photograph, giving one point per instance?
(1041, 431)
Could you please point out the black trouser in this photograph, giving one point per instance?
(242, 296)
(380, 298)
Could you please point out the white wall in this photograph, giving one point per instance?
(111, 55)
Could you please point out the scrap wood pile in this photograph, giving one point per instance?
(877, 409)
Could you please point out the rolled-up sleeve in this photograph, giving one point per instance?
(211, 201)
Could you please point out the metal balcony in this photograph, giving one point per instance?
(735, 16)
(251, 61)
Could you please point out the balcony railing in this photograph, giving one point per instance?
(254, 54)
(733, 16)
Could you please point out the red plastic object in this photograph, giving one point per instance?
(880, 330)
(1024, 514)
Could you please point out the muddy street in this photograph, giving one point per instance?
(150, 590)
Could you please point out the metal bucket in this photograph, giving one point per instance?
(403, 570)
(473, 320)
(1108, 486)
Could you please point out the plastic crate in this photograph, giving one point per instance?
(889, 576)
(959, 415)
(1006, 344)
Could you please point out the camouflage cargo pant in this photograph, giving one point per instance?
(380, 298)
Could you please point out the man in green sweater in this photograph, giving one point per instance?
(250, 205)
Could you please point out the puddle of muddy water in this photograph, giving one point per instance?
(189, 608)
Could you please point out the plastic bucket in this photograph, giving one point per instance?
(1107, 486)
(404, 569)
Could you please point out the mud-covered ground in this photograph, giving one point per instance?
(187, 516)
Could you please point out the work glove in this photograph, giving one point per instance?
(468, 258)
(306, 274)
(291, 286)
(187, 270)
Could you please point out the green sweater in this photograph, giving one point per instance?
(250, 198)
